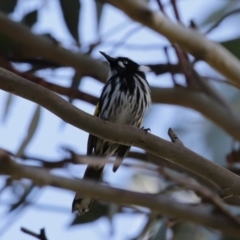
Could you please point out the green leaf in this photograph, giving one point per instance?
(30, 18)
(8, 6)
(99, 9)
(191, 231)
(112, 210)
(162, 231)
(76, 80)
(71, 11)
(9, 102)
(97, 211)
(218, 142)
(219, 11)
(233, 46)
(31, 130)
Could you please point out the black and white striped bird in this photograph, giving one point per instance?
(124, 100)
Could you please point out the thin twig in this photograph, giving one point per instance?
(175, 9)
(124, 38)
(181, 55)
(115, 29)
(40, 236)
(129, 46)
(168, 61)
(83, 159)
(161, 6)
(193, 79)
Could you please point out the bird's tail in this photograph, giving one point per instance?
(82, 204)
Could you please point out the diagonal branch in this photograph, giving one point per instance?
(126, 135)
(70, 92)
(188, 39)
(161, 204)
(227, 120)
(29, 45)
(198, 101)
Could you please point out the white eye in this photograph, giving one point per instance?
(125, 62)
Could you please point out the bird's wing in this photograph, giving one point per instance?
(91, 138)
(122, 152)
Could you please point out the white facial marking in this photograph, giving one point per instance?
(120, 63)
(143, 68)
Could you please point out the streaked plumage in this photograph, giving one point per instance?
(124, 100)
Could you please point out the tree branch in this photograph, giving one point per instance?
(126, 135)
(204, 192)
(188, 39)
(200, 102)
(28, 45)
(38, 46)
(70, 92)
(161, 204)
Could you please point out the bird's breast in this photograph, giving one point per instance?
(125, 107)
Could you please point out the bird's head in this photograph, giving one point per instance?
(124, 65)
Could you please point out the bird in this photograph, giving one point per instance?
(124, 100)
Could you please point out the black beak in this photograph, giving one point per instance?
(110, 59)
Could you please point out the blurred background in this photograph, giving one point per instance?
(88, 26)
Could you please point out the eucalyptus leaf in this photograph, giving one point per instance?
(190, 231)
(8, 6)
(97, 211)
(31, 130)
(162, 231)
(30, 18)
(218, 12)
(233, 46)
(112, 210)
(8, 105)
(99, 9)
(76, 80)
(71, 12)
